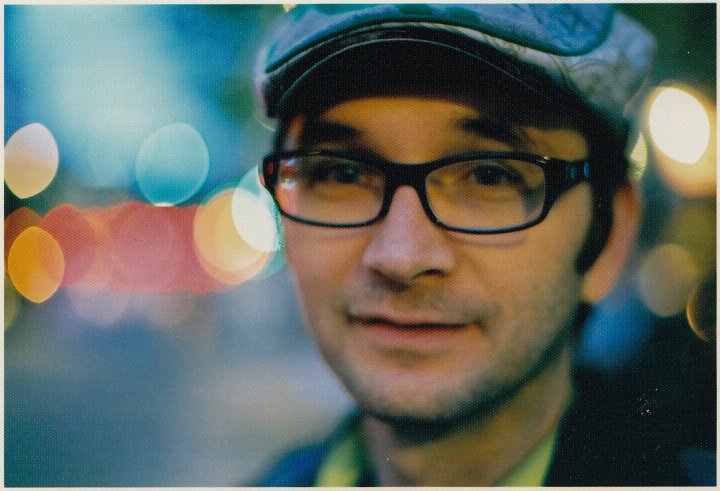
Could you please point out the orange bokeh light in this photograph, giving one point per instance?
(222, 251)
(15, 223)
(36, 264)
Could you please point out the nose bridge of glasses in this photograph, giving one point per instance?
(412, 175)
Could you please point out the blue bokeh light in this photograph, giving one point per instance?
(172, 164)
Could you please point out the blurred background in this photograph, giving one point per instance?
(151, 334)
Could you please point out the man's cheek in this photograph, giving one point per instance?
(303, 259)
(312, 278)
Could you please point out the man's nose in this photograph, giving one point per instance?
(407, 247)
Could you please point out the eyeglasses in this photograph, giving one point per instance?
(478, 193)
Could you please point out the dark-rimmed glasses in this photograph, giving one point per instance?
(479, 193)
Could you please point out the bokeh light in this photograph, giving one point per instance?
(172, 164)
(76, 236)
(133, 246)
(679, 125)
(694, 227)
(254, 213)
(12, 304)
(31, 160)
(36, 264)
(221, 249)
(192, 277)
(15, 223)
(665, 279)
(258, 221)
(275, 263)
(102, 272)
(682, 125)
(144, 239)
(702, 309)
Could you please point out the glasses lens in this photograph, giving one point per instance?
(330, 190)
(487, 194)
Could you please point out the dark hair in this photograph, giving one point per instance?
(522, 92)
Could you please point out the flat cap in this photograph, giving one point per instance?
(591, 50)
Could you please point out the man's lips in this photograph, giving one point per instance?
(405, 323)
(409, 333)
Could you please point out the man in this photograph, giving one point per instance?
(454, 191)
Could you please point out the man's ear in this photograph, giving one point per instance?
(600, 278)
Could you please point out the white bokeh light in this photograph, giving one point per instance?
(679, 125)
(31, 160)
(254, 213)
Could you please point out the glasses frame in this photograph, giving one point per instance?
(560, 176)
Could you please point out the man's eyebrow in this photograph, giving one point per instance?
(318, 131)
(503, 131)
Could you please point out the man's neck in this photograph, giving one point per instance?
(481, 452)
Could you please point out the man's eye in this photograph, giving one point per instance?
(346, 173)
(337, 172)
(494, 175)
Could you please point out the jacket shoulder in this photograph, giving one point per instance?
(615, 436)
(298, 467)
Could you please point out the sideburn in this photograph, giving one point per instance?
(598, 232)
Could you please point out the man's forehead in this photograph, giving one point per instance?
(357, 122)
(365, 113)
(351, 119)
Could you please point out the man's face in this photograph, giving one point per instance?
(418, 321)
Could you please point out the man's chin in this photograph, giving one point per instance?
(424, 413)
(432, 415)
(421, 424)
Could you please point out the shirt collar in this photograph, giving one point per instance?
(344, 465)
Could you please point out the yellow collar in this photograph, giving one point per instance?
(531, 471)
(343, 464)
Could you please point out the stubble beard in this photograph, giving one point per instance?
(422, 414)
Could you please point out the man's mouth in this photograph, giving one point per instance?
(406, 324)
(409, 333)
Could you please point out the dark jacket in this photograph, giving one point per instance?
(608, 437)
